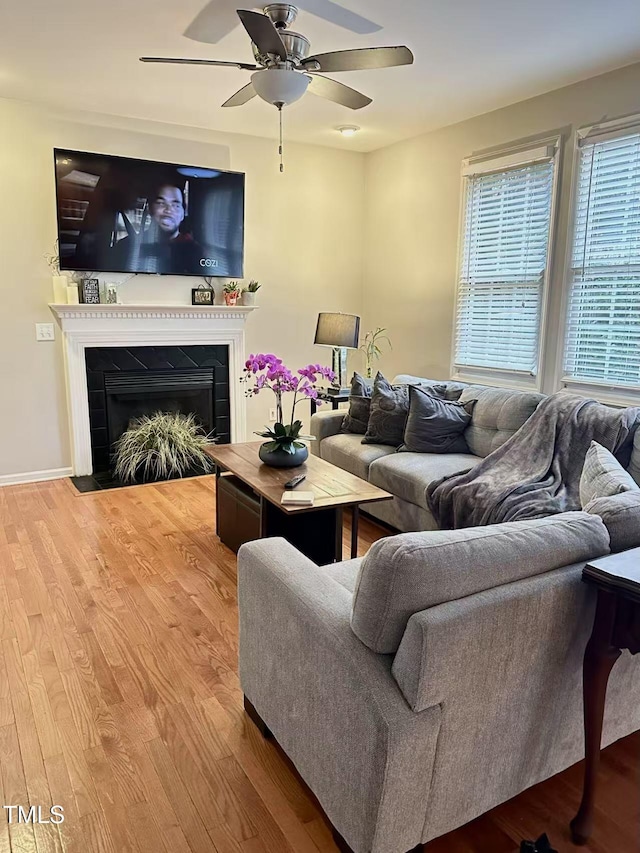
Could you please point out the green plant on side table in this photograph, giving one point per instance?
(372, 348)
(160, 447)
(232, 292)
(249, 293)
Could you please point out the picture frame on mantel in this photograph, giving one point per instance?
(90, 291)
(202, 295)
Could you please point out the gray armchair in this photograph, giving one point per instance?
(473, 693)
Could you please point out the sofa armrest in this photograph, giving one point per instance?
(505, 665)
(324, 424)
(443, 646)
(331, 703)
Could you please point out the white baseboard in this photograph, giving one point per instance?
(34, 476)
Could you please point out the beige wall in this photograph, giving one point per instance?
(304, 240)
(413, 206)
(373, 234)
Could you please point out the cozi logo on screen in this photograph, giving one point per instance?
(208, 262)
(34, 814)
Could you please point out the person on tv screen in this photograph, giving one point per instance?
(166, 245)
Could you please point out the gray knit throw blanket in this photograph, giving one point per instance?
(537, 471)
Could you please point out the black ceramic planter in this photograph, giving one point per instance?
(282, 459)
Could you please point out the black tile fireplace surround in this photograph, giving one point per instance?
(126, 382)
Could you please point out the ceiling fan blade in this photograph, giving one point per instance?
(169, 61)
(324, 87)
(335, 14)
(263, 33)
(241, 96)
(218, 18)
(360, 59)
(212, 23)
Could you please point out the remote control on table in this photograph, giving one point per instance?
(294, 481)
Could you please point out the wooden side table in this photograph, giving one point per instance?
(334, 399)
(616, 627)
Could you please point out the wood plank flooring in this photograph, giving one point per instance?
(119, 696)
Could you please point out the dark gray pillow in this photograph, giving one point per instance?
(357, 417)
(389, 410)
(435, 425)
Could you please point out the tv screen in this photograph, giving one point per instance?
(117, 214)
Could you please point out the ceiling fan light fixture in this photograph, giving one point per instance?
(348, 129)
(280, 85)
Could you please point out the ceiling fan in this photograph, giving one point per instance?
(285, 70)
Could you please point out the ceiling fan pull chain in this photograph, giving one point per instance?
(280, 147)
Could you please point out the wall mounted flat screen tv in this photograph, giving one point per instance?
(117, 214)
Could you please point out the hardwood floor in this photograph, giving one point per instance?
(119, 698)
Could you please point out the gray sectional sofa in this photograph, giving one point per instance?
(440, 675)
(497, 414)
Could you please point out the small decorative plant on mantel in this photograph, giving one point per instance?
(374, 341)
(285, 448)
(232, 291)
(249, 293)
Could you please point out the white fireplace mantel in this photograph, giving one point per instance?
(144, 325)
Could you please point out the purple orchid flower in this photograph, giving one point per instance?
(267, 371)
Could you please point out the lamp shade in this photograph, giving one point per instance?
(338, 330)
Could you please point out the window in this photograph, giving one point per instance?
(507, 215)
(603, 320)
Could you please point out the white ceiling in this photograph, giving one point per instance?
(472, 56)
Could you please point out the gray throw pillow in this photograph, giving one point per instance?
(435, 425)
(621, 516)
(389, 410)
(357, 418)
(603, 476)
(634, 462)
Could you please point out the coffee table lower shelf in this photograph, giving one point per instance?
(243, 516)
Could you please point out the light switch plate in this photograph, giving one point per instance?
(45, 332)
(273, 414)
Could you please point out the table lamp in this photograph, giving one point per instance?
(340, 332)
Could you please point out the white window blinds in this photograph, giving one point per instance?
(505, 248)
(603, 323)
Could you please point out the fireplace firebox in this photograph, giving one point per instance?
(130, 395)
(127, 382)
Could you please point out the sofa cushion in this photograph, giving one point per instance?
(452, 390)
(404, 574)
(634, 464)
(347, 451)
(621, 516)
(603, 476)
(498, 413)
(435, 425)
(344, 573)
(357, 418)
(407, 475)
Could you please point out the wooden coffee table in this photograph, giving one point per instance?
(315, 530)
